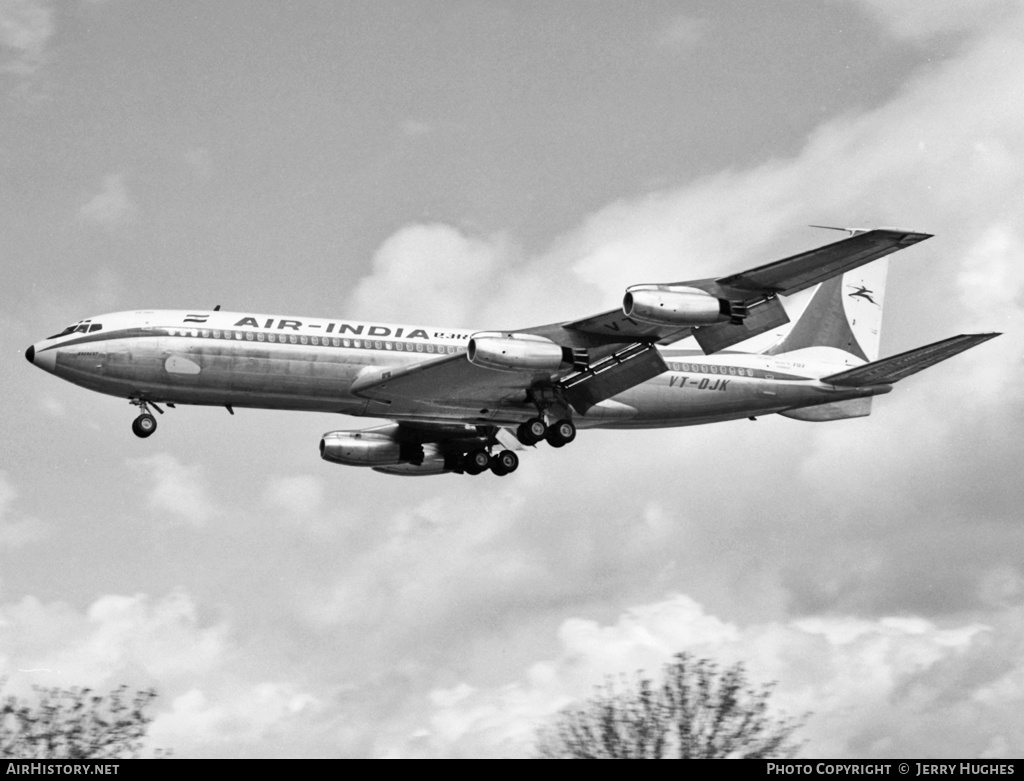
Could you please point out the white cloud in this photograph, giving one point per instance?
(52, 406)
(212, 696)
(117, 639)
(415, 128)
(26, 27)
(17, 532)
(430, 274)
(199, 161)
(301, 495)
(177, 489)
(919, 20)
(201, 723)
(683, 32)
(112, 206)
(909, 512)
(877, 687)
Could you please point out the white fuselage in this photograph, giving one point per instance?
(272, 362)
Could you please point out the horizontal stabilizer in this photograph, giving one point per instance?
(894, 369)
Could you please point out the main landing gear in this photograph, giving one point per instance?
(477, 461)
(145, 424)
(558, 434)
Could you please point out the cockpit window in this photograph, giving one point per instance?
(83, 327)
(69, 330)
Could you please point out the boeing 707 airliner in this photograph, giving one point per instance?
(459, 400)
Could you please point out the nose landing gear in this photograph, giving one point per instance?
(145, 424)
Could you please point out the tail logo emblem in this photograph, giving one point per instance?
(862, 292)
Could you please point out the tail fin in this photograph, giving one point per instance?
(842, 323)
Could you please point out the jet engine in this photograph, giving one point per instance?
(679, 305)
(434, 462)
(517, 352)
(377, 448)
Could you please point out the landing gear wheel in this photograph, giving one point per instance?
(562, 433)
(144, 425)
(531, 432)
(475, 462)
(504, 463)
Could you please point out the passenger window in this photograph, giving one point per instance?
(336, 342)
(346, 342)
(377, 345)
(216, 334)
(303, 339)
(248, 336)
(294, 339)
(260, 337)
(389, 346)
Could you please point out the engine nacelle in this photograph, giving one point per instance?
(678, 305)
(435, 462)
(366, 448)
(517, 352)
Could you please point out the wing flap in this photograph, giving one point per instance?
(612, 375)
(890, 370)
(764, 315)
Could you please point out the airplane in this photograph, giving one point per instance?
(465, 401)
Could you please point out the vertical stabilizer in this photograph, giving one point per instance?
(843, 320)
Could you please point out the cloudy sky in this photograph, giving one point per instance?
(489, 165)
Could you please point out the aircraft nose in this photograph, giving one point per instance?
(45, 359)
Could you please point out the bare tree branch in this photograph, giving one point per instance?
(75, 724)
(697, 711)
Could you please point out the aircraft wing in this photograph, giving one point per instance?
(757, 288)
(799, 272)
(613, 352)
(449, 381)
(453, 382)
(890, 370)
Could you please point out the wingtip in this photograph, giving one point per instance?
(908, 236)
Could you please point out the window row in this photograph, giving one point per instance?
(705, 369)
(317, 341)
